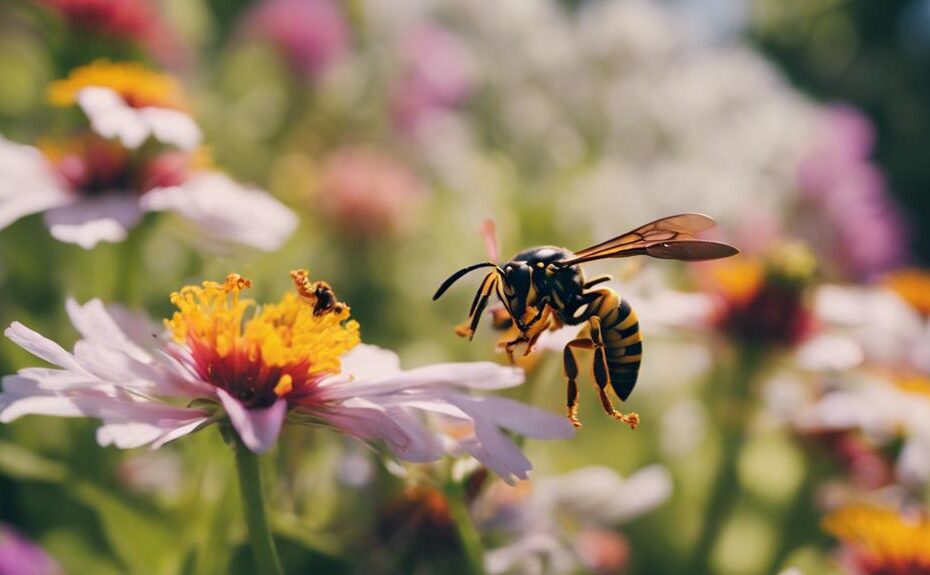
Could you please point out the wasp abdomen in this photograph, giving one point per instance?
(622, 341)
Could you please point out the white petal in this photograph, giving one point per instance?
(111, 117)
(52, 379)
(137, 326)
(136, 434)
(521, 418)
(95, 324)
(172, 127)
(28, 183)
(13, 406)
(258, 428)
(475, 375)
(128, 435)
(94, 220)
(40, 346)
(829, 353)
(179, 431)
(601, 495)
(404, 435)
(223, 209)
(367, 362)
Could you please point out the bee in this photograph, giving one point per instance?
(545, 288)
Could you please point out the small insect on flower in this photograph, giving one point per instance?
(544, 287)
(226, 359)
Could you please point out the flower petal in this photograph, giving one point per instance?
(96, 325)
(409, 439)
(521, 418)
(367, 362)
(258, 428)
(111, 117)
(94, 220)
(172, 127)
(28, 183)
(225, 210)
(40, 346)
(474, 375)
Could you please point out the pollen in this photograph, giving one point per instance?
(913, 286)
(260, 352)
(883, 540)
(138, 85)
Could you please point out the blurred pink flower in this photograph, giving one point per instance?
(311, 34)
(20, 556)
(368, 194)
(134, 21)
(865, 232)
(291, 360)
(436, 73)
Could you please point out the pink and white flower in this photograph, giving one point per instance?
(299, 360)
(96, 187)
(565, 522)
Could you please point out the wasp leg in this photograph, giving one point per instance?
(533, 338)
(539, 324)
(602, 376)
(477, 307)
(571, 372)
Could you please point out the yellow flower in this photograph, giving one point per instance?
(913, 285)
(136, 84)
(883, 541)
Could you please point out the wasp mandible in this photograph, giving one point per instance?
(544, 288)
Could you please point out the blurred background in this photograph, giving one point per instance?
(777, 389)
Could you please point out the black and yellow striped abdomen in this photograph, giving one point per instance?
(623, 342)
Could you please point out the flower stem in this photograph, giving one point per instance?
(733, 414)
(469, 536)
(253, 502)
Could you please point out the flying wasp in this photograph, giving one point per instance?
(545, 288)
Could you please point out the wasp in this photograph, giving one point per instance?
(545, 288)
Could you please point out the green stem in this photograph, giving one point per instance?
(796, 521)
(130, 264)
(253, 502)
(733, 415)
(468, 534)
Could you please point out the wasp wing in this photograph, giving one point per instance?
(672, 237)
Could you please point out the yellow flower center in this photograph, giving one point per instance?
(883, 540)
(277, 350)
(138, 85)
(913, 285)
(919, 384)
(739, 278)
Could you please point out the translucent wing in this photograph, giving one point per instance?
(667, 238)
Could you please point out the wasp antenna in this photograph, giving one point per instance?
(457, 275)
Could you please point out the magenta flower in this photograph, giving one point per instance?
(865, 231)
(368, 194)
(311, 34)
(436, 74)
(20, 556)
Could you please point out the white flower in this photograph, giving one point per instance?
(151, 390)
(85, 211)
(533, 522)
(111, 117)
